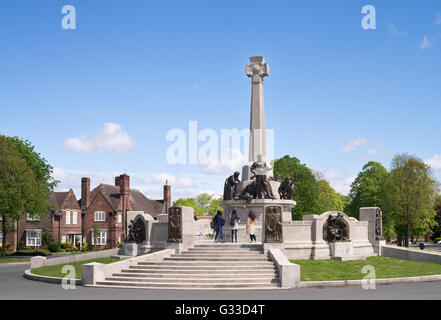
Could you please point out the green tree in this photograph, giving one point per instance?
(203, 201)
(41, 168)
(368, 189)
(306, 190)
(20, 190)
(410, 196)
(188, 202)
(202, 204)
(436, 228)
(328, 198)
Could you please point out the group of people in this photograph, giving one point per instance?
(218, 223)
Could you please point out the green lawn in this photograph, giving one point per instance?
(55, 271)
(326, 270)
(9, 259)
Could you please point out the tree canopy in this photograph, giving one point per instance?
(368, 189)
(21, 192)
(202, 204)
(411, 193)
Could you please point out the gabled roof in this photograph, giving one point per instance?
(57, 199)
(138, 201)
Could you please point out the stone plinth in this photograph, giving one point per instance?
(257, 206)
(341, 249)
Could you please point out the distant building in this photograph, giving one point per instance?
(104, 208)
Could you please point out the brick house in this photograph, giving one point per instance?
(63, 222)
(74, 221)
(104, 209)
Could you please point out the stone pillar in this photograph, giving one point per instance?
(180, 228)
(257, 70)
(374, 217)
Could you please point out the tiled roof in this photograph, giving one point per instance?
(57, 198)
(138, 201)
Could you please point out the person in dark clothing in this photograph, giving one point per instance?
(218, 223)
(234, 223)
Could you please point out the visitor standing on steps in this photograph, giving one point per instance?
(234, 223)
(218, 224)
(251, 226)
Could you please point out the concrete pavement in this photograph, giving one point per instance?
(14, 286)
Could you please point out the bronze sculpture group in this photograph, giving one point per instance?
(336, 229)
(259, 187)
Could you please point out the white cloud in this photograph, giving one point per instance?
(353, 145)
(110, 138)
(339, 180)
(393, 31)
(151, 184)
(372, 152)
(434, 162)
(425, 43)
(233, 161)
(184, 182)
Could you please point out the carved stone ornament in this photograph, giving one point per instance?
(273, 225)
(336, 229)
(174, 225)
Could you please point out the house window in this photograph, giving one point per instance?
(100, 239)
(67, 217)
(74, 217)
(63, 239)
(32, 217)
(33, 238)
(100, 216)
(119, 218)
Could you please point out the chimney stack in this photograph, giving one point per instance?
(167, 196)
(85, 192)
(124, 184)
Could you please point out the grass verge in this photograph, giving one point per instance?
(328, 270)
(8, 259)
(56, 270)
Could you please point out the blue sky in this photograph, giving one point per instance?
(337, 96)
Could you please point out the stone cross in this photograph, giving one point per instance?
(257, 70)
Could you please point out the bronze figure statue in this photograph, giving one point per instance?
(230, 186)
(286, 189)
(263, 188)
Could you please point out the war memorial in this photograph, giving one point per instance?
(166, 253)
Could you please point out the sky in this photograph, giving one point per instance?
(99, 100)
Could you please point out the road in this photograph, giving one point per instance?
(14, 286)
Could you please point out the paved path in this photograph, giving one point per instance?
(14, 286)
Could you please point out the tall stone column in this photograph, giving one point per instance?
(257, 70)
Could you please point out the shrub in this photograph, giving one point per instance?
(84, 246)
(46, 237)
(121, 245)
(53, 247)
(32, 252)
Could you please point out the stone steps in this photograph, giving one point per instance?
(206, 266)
(238, 268)
(192, 274)
(173, 285)
(205, 263)
(224, 259)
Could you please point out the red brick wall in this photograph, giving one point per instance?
(113, 232)
(23, 224)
